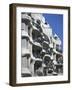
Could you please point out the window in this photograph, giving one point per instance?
(24, 62)
(38, 22)
(24, 27)
(25, 43)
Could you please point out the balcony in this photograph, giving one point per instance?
(37, 44)
(36, 26)
(57, 52)
(45, 47)
(24, 34)
(38, 39)
(46, 42)
(36, 30)
(26, 18)
(25, 72)
(45, 38)
(47, 57)
(36, 59)
(25, 52)
(36, 51)
(36, 54)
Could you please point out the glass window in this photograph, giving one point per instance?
(25, 43)
(24, 27)
(24, 62)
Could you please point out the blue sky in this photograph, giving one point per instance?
(56, 23)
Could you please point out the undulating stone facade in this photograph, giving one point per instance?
(41, 50)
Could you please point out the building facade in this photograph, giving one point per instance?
(41, 52)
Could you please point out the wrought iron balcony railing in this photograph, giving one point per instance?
(25, 16)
